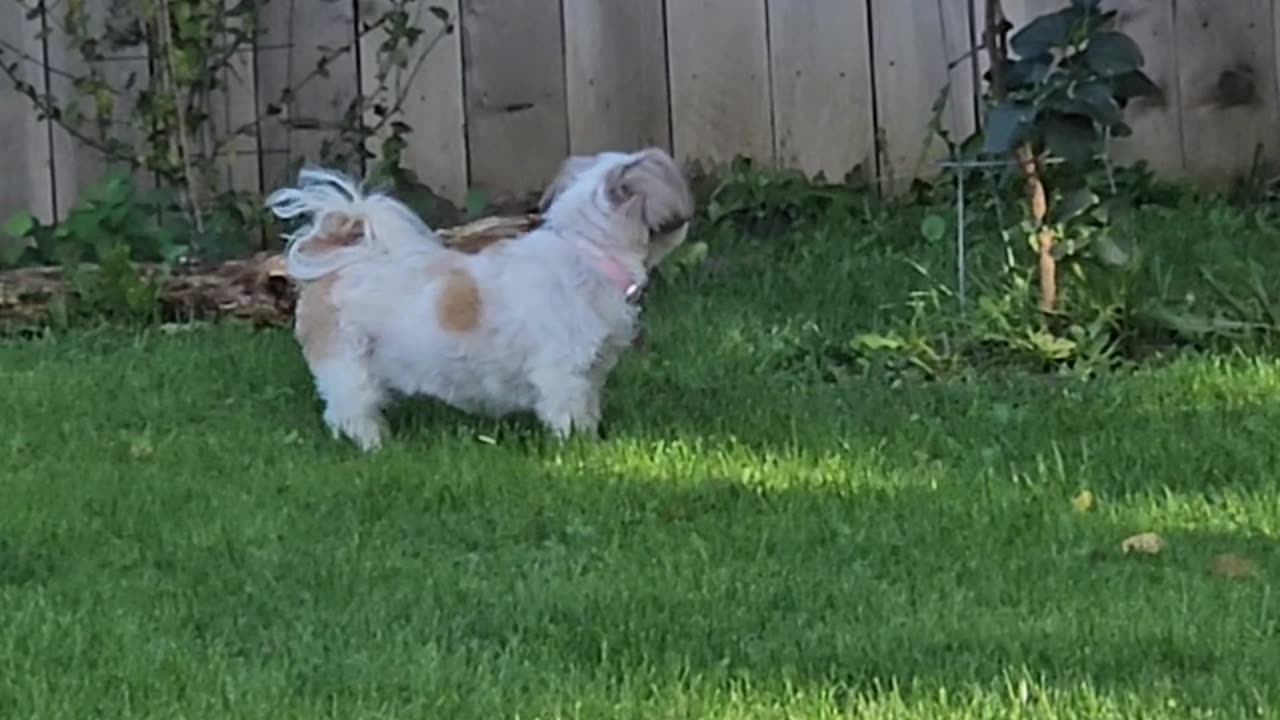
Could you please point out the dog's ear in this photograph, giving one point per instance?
(570, 169)
(652, 190)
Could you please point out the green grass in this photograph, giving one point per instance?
(180, 539)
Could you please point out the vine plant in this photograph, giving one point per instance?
(196, 50)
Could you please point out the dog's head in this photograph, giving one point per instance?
(645, 187)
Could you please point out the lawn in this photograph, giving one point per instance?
(179, 537)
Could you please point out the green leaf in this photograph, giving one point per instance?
(1028, 71)
(12, 250)
(20, 224)
(475, 203)
(1109, 252)
(1073, 205)
(871, 342)
(694, 254)
(1192, 325)
(933, 227)
(1096, 100)
(1006, 126)
(1111, 53)
(1134, 84)
(441, 13)
(1072, 137)
(1042, 34)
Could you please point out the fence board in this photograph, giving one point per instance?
(231, 110)
(719, 65)
(1227, 78)
(914, 42)
(24, 138)
(297, 36)
(820, 85)
(823, 106)
(517, 120)
(616, 75)
(1156, 122)
(125, 68)
(430, 99)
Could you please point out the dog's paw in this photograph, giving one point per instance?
(365, 432)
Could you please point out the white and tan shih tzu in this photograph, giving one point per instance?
(531, 324)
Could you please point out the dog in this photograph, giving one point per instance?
(531, 324)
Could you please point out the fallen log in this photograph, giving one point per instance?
(253, 289)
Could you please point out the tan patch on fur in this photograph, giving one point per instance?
(458, 306)
(316, 318)
(336, 231)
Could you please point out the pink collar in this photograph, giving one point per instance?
(613, 270)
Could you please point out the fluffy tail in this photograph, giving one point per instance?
(344, 224)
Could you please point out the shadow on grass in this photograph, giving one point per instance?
(830, 540)
(855, 538)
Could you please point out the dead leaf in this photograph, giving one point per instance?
(1147, 543)
(141, 448)
(1229, 565)
(1083, 502)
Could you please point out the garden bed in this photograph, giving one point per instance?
(253, 289)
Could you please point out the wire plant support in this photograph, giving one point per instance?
(960, 166)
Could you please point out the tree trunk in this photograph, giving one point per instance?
(994, 38)
(1038, 204)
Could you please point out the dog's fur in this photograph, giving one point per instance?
(530, 324)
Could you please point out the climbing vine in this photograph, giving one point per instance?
(198, 50)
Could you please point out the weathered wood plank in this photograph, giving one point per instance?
(231, 110)
(24, 138)
(1156, 121)
(125, 69)
(823, 105)
(517, 119)
(298, 36)
(915, 41)
(430, 99)
(616, 75)
(721, 104)
(1227, 81)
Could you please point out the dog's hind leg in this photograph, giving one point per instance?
(353, 401)
(338, 359)
(353, 396)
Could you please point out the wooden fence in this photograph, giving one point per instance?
(821, 85)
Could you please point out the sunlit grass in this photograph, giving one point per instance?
(179, 537)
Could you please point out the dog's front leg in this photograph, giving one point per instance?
(568, 404)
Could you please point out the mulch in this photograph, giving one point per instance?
(253, 289)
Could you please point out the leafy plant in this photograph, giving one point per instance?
(111, 215)
(197, 48)
(1061, 91)
(100, 244)
(760, 199)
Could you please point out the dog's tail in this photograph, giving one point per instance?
(344, 224)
